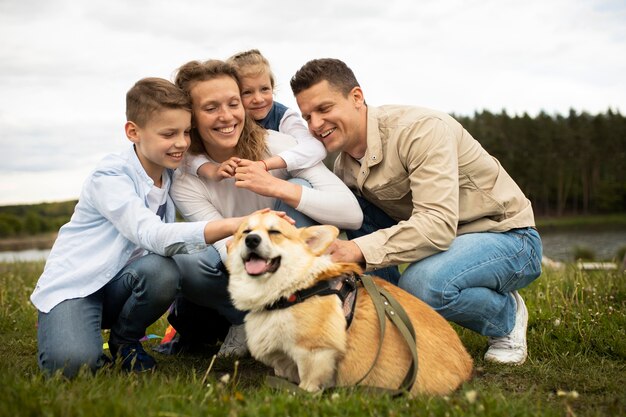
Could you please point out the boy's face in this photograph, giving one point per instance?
(338, 122)
(257, 95)
(163, 140)
(218, 115)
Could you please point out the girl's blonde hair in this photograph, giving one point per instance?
(251, 144)
(251, 63)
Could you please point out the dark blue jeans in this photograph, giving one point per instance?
(70, 337)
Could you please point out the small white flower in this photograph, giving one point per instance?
(568, 394)
(225, 378)
(471, 396)
(557, 322)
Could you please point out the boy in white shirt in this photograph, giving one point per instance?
(111, 265)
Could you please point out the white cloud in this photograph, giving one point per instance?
(66, 65)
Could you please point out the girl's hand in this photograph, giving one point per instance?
(228, 168)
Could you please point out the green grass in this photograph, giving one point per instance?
(576, 367)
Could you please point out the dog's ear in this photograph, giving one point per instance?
(319, 238)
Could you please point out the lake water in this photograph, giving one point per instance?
(561, 245)
(24, 255)
(558, 246)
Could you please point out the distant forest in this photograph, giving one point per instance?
(574, 164)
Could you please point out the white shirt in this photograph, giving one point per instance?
(306, 153)
(328, 202)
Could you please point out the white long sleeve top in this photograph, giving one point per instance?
(309, 150)
(329, 201)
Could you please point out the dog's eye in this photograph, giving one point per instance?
(245, 232)
(273, 232)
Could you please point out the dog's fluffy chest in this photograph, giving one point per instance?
(317, 323)
(270, 331)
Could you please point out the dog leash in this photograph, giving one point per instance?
(386, 306)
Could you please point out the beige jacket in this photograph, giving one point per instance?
(427, 172)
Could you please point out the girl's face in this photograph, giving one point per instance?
(218, 115)
(257, 95)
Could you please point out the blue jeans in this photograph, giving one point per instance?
(205, 278)
(69, 336)
(471, 283)
(205, 283)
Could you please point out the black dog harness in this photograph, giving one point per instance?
(386, 306)
(343, 286)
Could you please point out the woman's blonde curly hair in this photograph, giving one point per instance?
(252, 142)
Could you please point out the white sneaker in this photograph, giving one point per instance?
(511, 349)
(235, 343)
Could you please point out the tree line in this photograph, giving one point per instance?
(574, 164)
(34, 219)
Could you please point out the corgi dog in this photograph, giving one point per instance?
(308, 340)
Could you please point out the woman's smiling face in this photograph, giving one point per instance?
(218, 115)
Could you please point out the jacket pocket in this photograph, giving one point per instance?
(394, 189)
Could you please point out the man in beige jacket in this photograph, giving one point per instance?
(432, 197)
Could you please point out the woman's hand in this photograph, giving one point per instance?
(278, 213)
(252, 176)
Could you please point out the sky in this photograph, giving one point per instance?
(65, 66)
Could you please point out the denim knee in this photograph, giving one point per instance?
(420, 280)
(300, 181)
(69, 359)
(159, 277)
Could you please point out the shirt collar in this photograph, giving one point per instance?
(373, 153)
(139, 169)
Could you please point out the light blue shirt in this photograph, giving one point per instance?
(110, 221)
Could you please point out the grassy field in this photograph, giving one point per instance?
(576, 367)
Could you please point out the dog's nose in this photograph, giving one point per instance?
(252, 241)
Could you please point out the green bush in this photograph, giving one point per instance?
(583, 253)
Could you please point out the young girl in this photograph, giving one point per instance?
(257, 95)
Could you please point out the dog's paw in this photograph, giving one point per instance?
(290, 374)
(310, 386)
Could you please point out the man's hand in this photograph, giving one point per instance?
(345, 251)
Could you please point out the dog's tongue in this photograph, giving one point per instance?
(256, 266)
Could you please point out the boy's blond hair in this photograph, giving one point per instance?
(150, 95)
(251, 144)
(251, 64)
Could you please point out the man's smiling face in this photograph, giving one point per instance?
(334, 119)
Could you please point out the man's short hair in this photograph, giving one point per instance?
(152, 94)
(336, 72)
